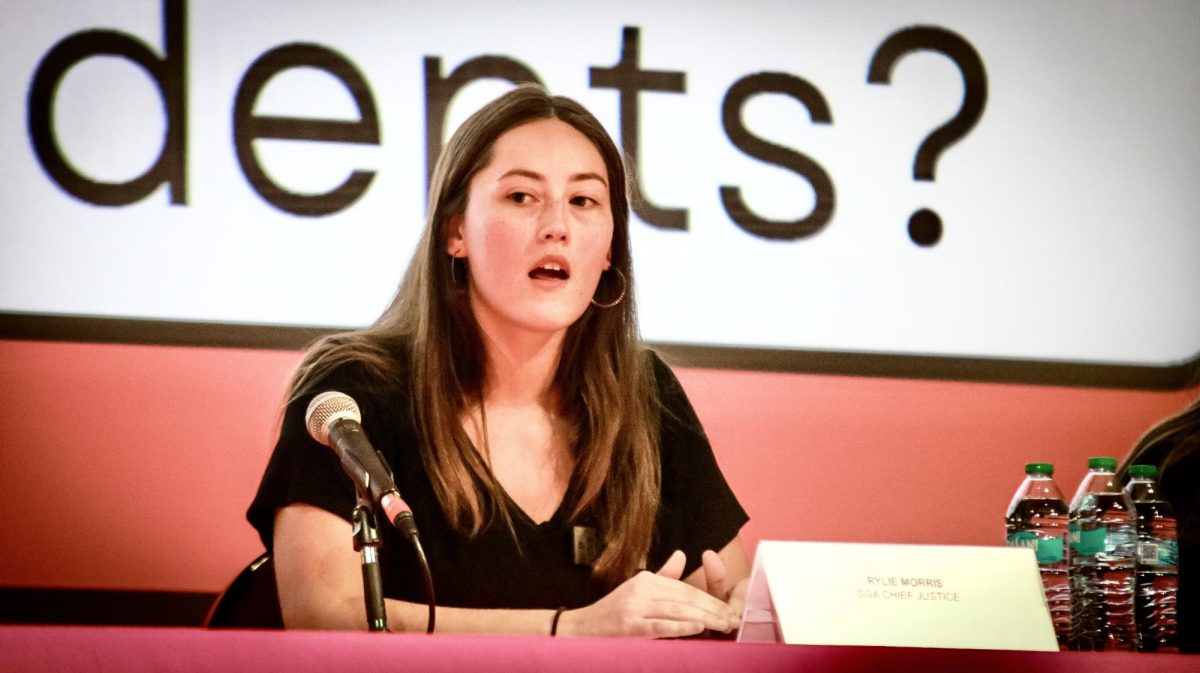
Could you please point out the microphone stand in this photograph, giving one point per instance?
(367, 541)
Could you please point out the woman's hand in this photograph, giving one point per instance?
(720, 585)
(717, 580)
(652, 605)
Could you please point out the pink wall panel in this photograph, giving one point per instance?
(130, 467)
(887, 460)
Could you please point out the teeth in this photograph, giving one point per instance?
(552, 266)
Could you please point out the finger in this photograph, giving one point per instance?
(663, 628)
(667, 590)
(684, 612)
(665, 584)
(673, 568)
(714, 574)
(707, 602)
(737, 595)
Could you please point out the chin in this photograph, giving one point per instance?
(555, 320)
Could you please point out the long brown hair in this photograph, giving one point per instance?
(603, 376)
(1167, 442)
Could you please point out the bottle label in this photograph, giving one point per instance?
(1047, 549)
(1161, 553)
(1120, 543)
(1088, 542)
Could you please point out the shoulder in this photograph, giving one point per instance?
(1179, 472)
(671, 399)
(680, 429)
(353, 363)
(378, 386)
(660, 372)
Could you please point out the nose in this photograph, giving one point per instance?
(552, 226)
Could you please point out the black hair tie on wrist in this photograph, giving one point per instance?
(554, 622)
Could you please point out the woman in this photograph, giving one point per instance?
(546, 454)
(1173, 445)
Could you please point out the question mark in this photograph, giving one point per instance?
(925, 226)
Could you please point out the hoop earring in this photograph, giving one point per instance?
(454, 270)
(624, 286)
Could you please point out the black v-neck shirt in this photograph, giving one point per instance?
(492, 570)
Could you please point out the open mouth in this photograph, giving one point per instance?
(549, 271)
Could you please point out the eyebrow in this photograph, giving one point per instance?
(578, 177)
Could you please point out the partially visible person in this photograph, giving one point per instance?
(1173, 445)
(560, 478)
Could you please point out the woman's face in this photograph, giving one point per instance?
(537, 230)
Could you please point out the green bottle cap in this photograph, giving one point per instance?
(1143, 471)
(1103, 463)
(1039, 468)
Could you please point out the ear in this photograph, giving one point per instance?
(608, 261)
(455, 245)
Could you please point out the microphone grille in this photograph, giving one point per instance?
(326, 408)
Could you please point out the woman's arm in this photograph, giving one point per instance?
(320, 587)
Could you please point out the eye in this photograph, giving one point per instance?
(520, 197)
(583, 201)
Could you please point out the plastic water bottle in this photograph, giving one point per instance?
(1037, 519)
(1157, 563)
(1102, 556)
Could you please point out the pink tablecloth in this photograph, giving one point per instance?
(54, 649)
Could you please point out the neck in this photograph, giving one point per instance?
(521, 367)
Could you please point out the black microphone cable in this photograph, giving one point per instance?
(334, 419)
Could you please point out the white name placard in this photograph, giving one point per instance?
(837, 593)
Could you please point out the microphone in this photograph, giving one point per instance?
(333, 419)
